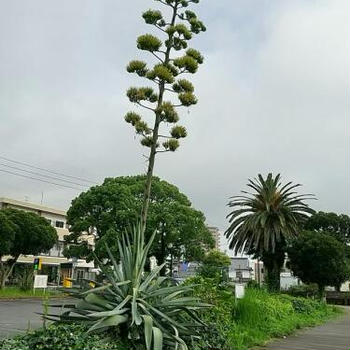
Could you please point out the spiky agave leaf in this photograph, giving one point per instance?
(148, 304)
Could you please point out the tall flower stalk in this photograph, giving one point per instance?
(169, 90)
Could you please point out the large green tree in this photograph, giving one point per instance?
(317, 257)
(215, 265)
(109, 209)
(331, 223)
(169, 90)
(24, 233)
(263, 220)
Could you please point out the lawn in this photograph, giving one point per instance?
(17, 293)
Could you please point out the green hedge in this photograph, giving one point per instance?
(60, 337)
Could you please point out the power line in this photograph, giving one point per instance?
(42, 175)
(48, 171)
(34, 178)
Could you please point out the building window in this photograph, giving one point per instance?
(59, 224)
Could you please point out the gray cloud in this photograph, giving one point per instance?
(273, 97)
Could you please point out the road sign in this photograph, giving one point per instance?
(40, 281)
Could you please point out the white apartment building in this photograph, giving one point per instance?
(54, 264)
(216, 235)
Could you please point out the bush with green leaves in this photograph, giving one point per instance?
(253, 320)
(61, 337)
(215, 265)
(149, 310)
(303, 290)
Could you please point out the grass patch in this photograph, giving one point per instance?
(255, 319)
(17, 293)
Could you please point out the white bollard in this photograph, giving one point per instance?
(239, 290)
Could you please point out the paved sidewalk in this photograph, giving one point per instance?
(334, 335)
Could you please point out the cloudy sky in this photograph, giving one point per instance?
(273, 97)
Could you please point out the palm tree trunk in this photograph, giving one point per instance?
(273, 279)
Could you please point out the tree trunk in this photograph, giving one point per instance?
(6, 270)
(153, 152)
(273, 279)
(322, 293)
(2, 277)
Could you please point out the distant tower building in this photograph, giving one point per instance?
(216, 234)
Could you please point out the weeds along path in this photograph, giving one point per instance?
(334, 335)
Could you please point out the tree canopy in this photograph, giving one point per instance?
(109, 209)
(263, 220)
(7, 234)
(316, 257)
(23, 233)
(331, 223)
(216, 258)
(214, 265)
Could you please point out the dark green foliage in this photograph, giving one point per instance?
(7, 234)
(26, 278)
(138, 67)
(319, 258)
(161, 72)
(112, 206)
(183, 85)
(195, 55)
(171, 144)
(168, 113)
(337, 226)
(148, 42)
(147, 141)
(255, 319)
(23, 233)
(141, 94)
(153, 17)
(186, 63)
(62, 337)
(215, 265)
(304, 290)
(178, 132)
(263, 220)
(187, 98)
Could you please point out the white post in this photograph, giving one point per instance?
(239, 290)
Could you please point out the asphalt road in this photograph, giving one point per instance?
(17, 316)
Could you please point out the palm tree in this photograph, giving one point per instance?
(262, 221)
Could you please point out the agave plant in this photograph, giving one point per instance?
(143, 307)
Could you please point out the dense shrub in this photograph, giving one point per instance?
(259, 316)
(61, 337)
(304, 290)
